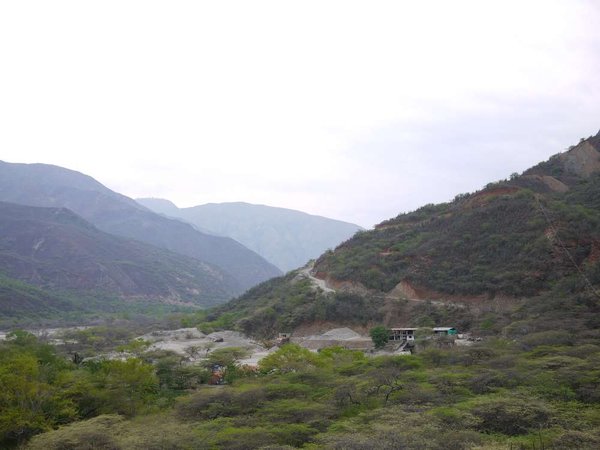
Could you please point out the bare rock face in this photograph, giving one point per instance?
(552, 183)
(403, 290)
(582, 160)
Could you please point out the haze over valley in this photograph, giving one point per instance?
(287, 238)
(333, 225)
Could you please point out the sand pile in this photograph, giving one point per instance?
(179, 341)
(344, 337)
(338, 334)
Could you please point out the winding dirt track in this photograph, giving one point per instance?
(322, 284)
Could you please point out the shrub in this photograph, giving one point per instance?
(578, 440)
(380, 336)
(93, 434)
(290, 358)
(209, 404)
(511, 416)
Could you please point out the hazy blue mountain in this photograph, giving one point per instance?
(55, 250)
(161, 206)
(285, 237)
(53, 186)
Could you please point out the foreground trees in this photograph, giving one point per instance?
(380, 336)
(538, 389)
(41, 390)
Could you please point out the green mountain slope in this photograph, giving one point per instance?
(52, 186)
(59, 253)
(20, 300)
(285, 237)
(514, 238)
(534, 235)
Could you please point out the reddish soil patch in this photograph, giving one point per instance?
(594, 253)
(551, 182)
(482, 197)
(410, 291)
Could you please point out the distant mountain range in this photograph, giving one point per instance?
(285, 237)
(69, 243)
(51, 186)
(58, 251)
(535, 234)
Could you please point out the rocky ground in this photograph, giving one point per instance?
(185, 340)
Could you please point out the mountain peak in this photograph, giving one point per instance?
(161, 205)
(584, 158)
(43, 185)
(569, 167)
(286, 237)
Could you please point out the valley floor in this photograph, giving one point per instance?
(538, 392)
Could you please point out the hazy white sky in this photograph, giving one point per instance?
(352, 110)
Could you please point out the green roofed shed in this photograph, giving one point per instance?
(450, 331)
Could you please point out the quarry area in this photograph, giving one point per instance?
(196, 345)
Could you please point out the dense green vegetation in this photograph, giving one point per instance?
(514, 238)
(535, 385)
(380, 336)
(531, 379)
(287, 302)
(24, 305)
(18, 299)
(486, 244)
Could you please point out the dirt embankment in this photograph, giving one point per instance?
(482, 197)
(406, 290)
(411, 292)
(552, 183)
(594, 253)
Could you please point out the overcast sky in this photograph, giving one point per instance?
(351, 110)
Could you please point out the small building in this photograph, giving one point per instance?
(402, 334)
(445, 331)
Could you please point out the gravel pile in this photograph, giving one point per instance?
(337, 334)
(180, 340)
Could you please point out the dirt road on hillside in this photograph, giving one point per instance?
(322, 284)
